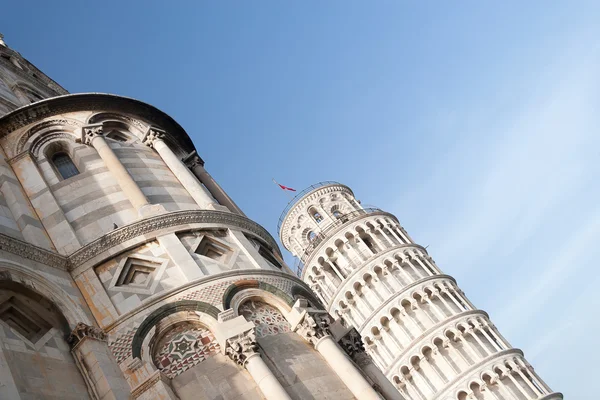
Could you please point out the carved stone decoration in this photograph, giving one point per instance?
(352, 343)
(241, 347)
(161, 222)
(153, 134)
(89, 132)
(82, 331)
(32, 252)
(192, 160)
(315, 326)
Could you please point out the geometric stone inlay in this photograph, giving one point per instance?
(25, 322)
(184, 348)
(138, 274)
(268, 320)
(214, 249)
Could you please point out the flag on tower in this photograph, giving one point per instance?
(283, 187)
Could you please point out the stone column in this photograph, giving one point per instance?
(314, 328)
(94, 135)
(353, 345)
(243, 350)
(96, 363)
(155, 139)
(196, 164)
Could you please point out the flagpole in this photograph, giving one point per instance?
(286, 192)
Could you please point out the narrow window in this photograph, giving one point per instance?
(317, 217)
(64, 165)
(337, 214)
(311, 236)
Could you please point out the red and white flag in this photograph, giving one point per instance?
(283, 187)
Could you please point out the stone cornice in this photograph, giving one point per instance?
(31, 113)
(418, 341)
(406, 289)
(25, 74)
(476, 367)
(156, 223)
(139, 228)
(345, 225)
(33, 253)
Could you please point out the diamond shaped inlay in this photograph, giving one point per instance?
(138, 274)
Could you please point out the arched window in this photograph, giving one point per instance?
(64, 165)
(337, 213)
(311, 236)
(317, 217)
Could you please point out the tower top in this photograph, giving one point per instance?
(2, 40)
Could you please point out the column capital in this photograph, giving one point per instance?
(241, 347)
(82, 331)
(192, 160)
(352, 343)
(314, 326)
(89, 132)
(153, 134)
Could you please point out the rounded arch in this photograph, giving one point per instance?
(73, 313)
(135, 126)
(300, 292)
(243, 285)
(164, 311)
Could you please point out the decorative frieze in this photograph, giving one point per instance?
(31, 252)
(163, 221)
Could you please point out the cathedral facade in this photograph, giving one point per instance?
(127, 272)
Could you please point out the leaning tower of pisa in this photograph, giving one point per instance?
(417, 325)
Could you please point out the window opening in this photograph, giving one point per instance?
(64, 165)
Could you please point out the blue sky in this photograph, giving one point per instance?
(476, 124)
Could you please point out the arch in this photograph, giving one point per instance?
(300, 292)
(136, 127)
(73, 313)
(35, 137)
(315, 214)
(151, 320)
(242, 285)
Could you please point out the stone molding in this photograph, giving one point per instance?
(82, 331)
(51, 124)
(155, 223)
(67, 103)
(314, 326)
(32, 252)
(24, 73)
(241, 347)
